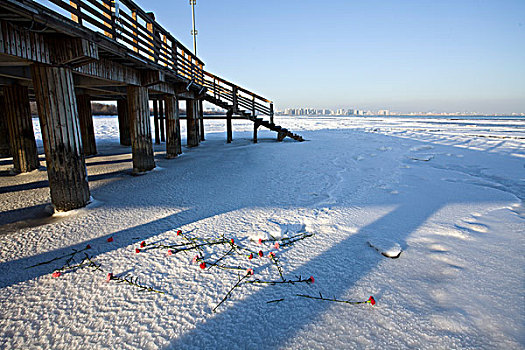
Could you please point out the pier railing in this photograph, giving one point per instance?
(126, 23)
(236, 96)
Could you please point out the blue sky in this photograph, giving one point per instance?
(440, 55)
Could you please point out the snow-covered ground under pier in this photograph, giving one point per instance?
(445, 196)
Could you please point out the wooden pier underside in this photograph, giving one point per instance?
(71, 53)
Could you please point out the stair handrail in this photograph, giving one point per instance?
(226, 91)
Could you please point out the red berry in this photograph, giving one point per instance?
(261, 253)
(142, 244)
(251, 256)
(311, 279)
(260, 240)
(170, 252)
(109, 277)
(56, 274)
(137, 250)
(88, 246)
(202, 265)
(110, 239)
(371, 300)
(179, 232)
(232, 241)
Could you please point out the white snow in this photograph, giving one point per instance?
(447, 193)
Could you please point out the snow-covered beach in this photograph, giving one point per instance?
(446, 194)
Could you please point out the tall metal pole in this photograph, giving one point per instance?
(194, 31)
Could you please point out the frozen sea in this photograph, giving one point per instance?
(445, 195)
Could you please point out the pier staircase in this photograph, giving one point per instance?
(246, 104)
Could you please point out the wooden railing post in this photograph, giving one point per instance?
(214, 87)
(175, 57)
(109, 24)
(114, 17)
(75, 16)
(253, 106)
(149, 27)
(135, 34)
(271, 112)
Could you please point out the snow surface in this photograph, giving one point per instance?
(448, 193)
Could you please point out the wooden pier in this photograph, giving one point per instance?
(65, 54)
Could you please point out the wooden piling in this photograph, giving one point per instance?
(156, 121)
(20, 126)
(162, 120)
(57, 109)
(4, 131)
(123, 122)
(141, 142)
(229, 133)
(87, 130)
(255, 128)
(192, 138)
(201, 119)
(173, 142)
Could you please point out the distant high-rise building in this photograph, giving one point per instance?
(383, 112)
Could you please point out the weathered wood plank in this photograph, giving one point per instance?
(20, 126)
(141, 142)
(58, 113)
(123, 122)
(87, 130)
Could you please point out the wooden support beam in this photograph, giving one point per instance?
(229, 133)
(196, 117)
(192, 137)
(42, 48)
(87, 131)
(57, 109)
(162, 120)
(201, 119)
(153, 77)
(255, 129)
(20, 126)
(280, 136)
(141, 143)
(5, 148)
(123, 122)
(111, 71)
(173, 140)
(156, 121)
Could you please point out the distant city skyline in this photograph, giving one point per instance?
(400, 55)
